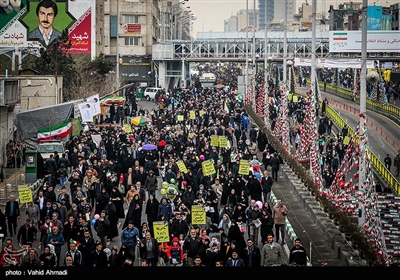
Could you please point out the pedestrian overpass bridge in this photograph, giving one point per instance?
(171, 59)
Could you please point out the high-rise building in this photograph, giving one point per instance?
(275, 10)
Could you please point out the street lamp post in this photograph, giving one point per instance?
(165, 10)
(363, 109)
(285, 111)
(266, 96)
(117, 51)
(246, 94)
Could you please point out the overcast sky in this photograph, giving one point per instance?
(212, 13)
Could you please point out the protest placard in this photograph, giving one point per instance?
(198, 215)
(24, 194)
(223, 141)
(214, 141)
(244, 167)
(161, 232)
(208, 168)
(182, 166)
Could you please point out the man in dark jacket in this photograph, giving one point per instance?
(275, 163)
(51, 167)
(26, 233)
(179, 226)
(266, 184)
(252, 254)
(98, 256)
(151, 183)
(298, 255)
(149, 249)
(12, 214)
(191, 246)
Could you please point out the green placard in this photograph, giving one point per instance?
(76, 127)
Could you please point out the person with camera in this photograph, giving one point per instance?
(279, 213)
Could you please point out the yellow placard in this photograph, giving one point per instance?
(223, 141)
(182, 166)
(208, 168)
(214, 141)
(198, 215)
(127, 128)
(346, 140)
(179, 118)
(24, 194)
(289, 96)
(244, 167)
(161, 232)
(201, 113)
(295, 98)
(192, 115)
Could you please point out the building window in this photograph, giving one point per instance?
(113, 26)
(132, 41)
(131, 18)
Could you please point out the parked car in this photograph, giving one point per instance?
(150, 93)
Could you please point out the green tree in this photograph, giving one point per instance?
(55, 60)
(93, 76)
(82, 76)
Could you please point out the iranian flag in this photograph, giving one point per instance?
(58, 131)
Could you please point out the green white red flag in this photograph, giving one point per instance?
(58, 131)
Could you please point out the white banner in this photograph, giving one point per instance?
(94, 101)
(334, 63)
(96, 139)
(86, 112)
(377, 41)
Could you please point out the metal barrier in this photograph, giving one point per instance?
(379, 167)
(385, 108)
(376, 162)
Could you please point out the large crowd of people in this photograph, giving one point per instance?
(132, 177)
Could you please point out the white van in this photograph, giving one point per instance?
(150, 93)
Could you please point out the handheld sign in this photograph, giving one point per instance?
(346, 140)
(179, 118)
(192, 115)
(223, 141)
(214, 141)
(244, 167)
(161, 232)
(127, 128)
(198, 215)
(208, 168)
(182, 166)
(24, 194)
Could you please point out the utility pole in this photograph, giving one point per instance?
(363, 110)
(246, 94)
(117, 51)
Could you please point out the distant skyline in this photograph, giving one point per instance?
(212, 13)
